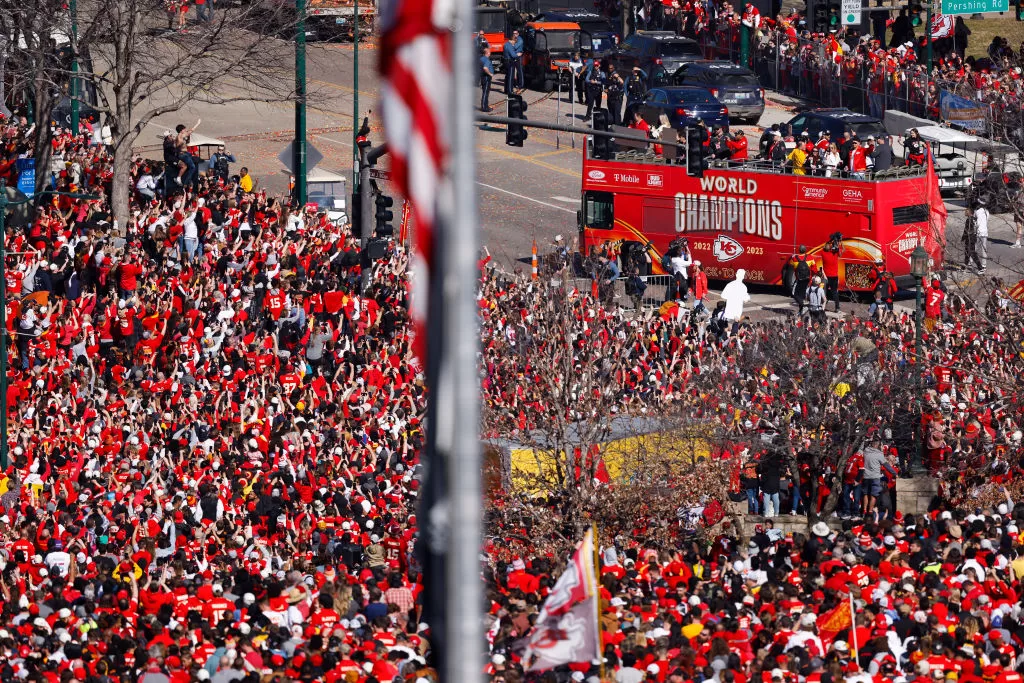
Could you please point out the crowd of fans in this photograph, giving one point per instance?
(213, 436)
(883, 69)
(214, 441)
(935, 594)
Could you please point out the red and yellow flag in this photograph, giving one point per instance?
(836, 620)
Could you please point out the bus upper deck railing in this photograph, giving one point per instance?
(766, 166)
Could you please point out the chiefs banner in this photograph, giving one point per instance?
(1017, 291)
(566, 629)
(835, 621)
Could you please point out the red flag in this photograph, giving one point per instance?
(566, 630)
(833, 622)
(942, 26)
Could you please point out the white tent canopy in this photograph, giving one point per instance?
(946, 136)
(319, 175)
(200, 140)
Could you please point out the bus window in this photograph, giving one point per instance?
(915, 213)
(598, 212)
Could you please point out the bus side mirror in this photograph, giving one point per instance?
(579, 219)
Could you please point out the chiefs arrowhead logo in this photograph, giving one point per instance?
(726, 248)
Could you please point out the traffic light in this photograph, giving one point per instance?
(384, 216)
(694, 153)
(602, 144)
(515, 134)
(823, 15)
(834, 22)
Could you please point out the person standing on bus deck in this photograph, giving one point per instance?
(764, 145)
(858, 161)
(737, 144)
(882, 154)
(777, 151)
(915, 148)
(801, 277)
(797, 161)
(638, 123)
(980, 236)
(735, 295)
(486, 74)
(830, 269)
(700, 287)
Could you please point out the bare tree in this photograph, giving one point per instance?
(594, 408)
(143, 69)
(811, 391)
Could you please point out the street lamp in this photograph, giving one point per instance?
(919, 269)
(4, 203)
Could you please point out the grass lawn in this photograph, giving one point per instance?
(983, 30)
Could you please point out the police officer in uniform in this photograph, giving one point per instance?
(595, 89)
(616, 89)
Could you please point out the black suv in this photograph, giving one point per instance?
(836, 122)
(734, 86)
(650, 50)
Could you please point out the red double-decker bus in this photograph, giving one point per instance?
(751, 216)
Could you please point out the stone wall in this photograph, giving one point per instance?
(913, 496)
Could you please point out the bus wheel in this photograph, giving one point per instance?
(548, 85)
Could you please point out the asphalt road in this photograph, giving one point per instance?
(529, 193)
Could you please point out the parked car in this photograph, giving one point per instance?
(650, 50)
(836, 122)
(684, 106)
(734, 86)
(603, 35)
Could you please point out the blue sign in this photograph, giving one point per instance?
(962, 112)
(27, 176)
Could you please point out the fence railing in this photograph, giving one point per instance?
(807, 69)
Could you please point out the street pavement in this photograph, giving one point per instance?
(525, 194)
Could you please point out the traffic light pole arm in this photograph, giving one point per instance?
(526, 123)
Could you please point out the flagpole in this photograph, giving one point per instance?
(597, 597)
(455, 277)
(853, 631)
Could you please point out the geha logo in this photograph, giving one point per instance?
(726, 248)
(596, 175)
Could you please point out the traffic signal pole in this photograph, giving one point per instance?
(300, 102)
(526, 123)
(356, 157)
(367, 159)
(73, 9)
